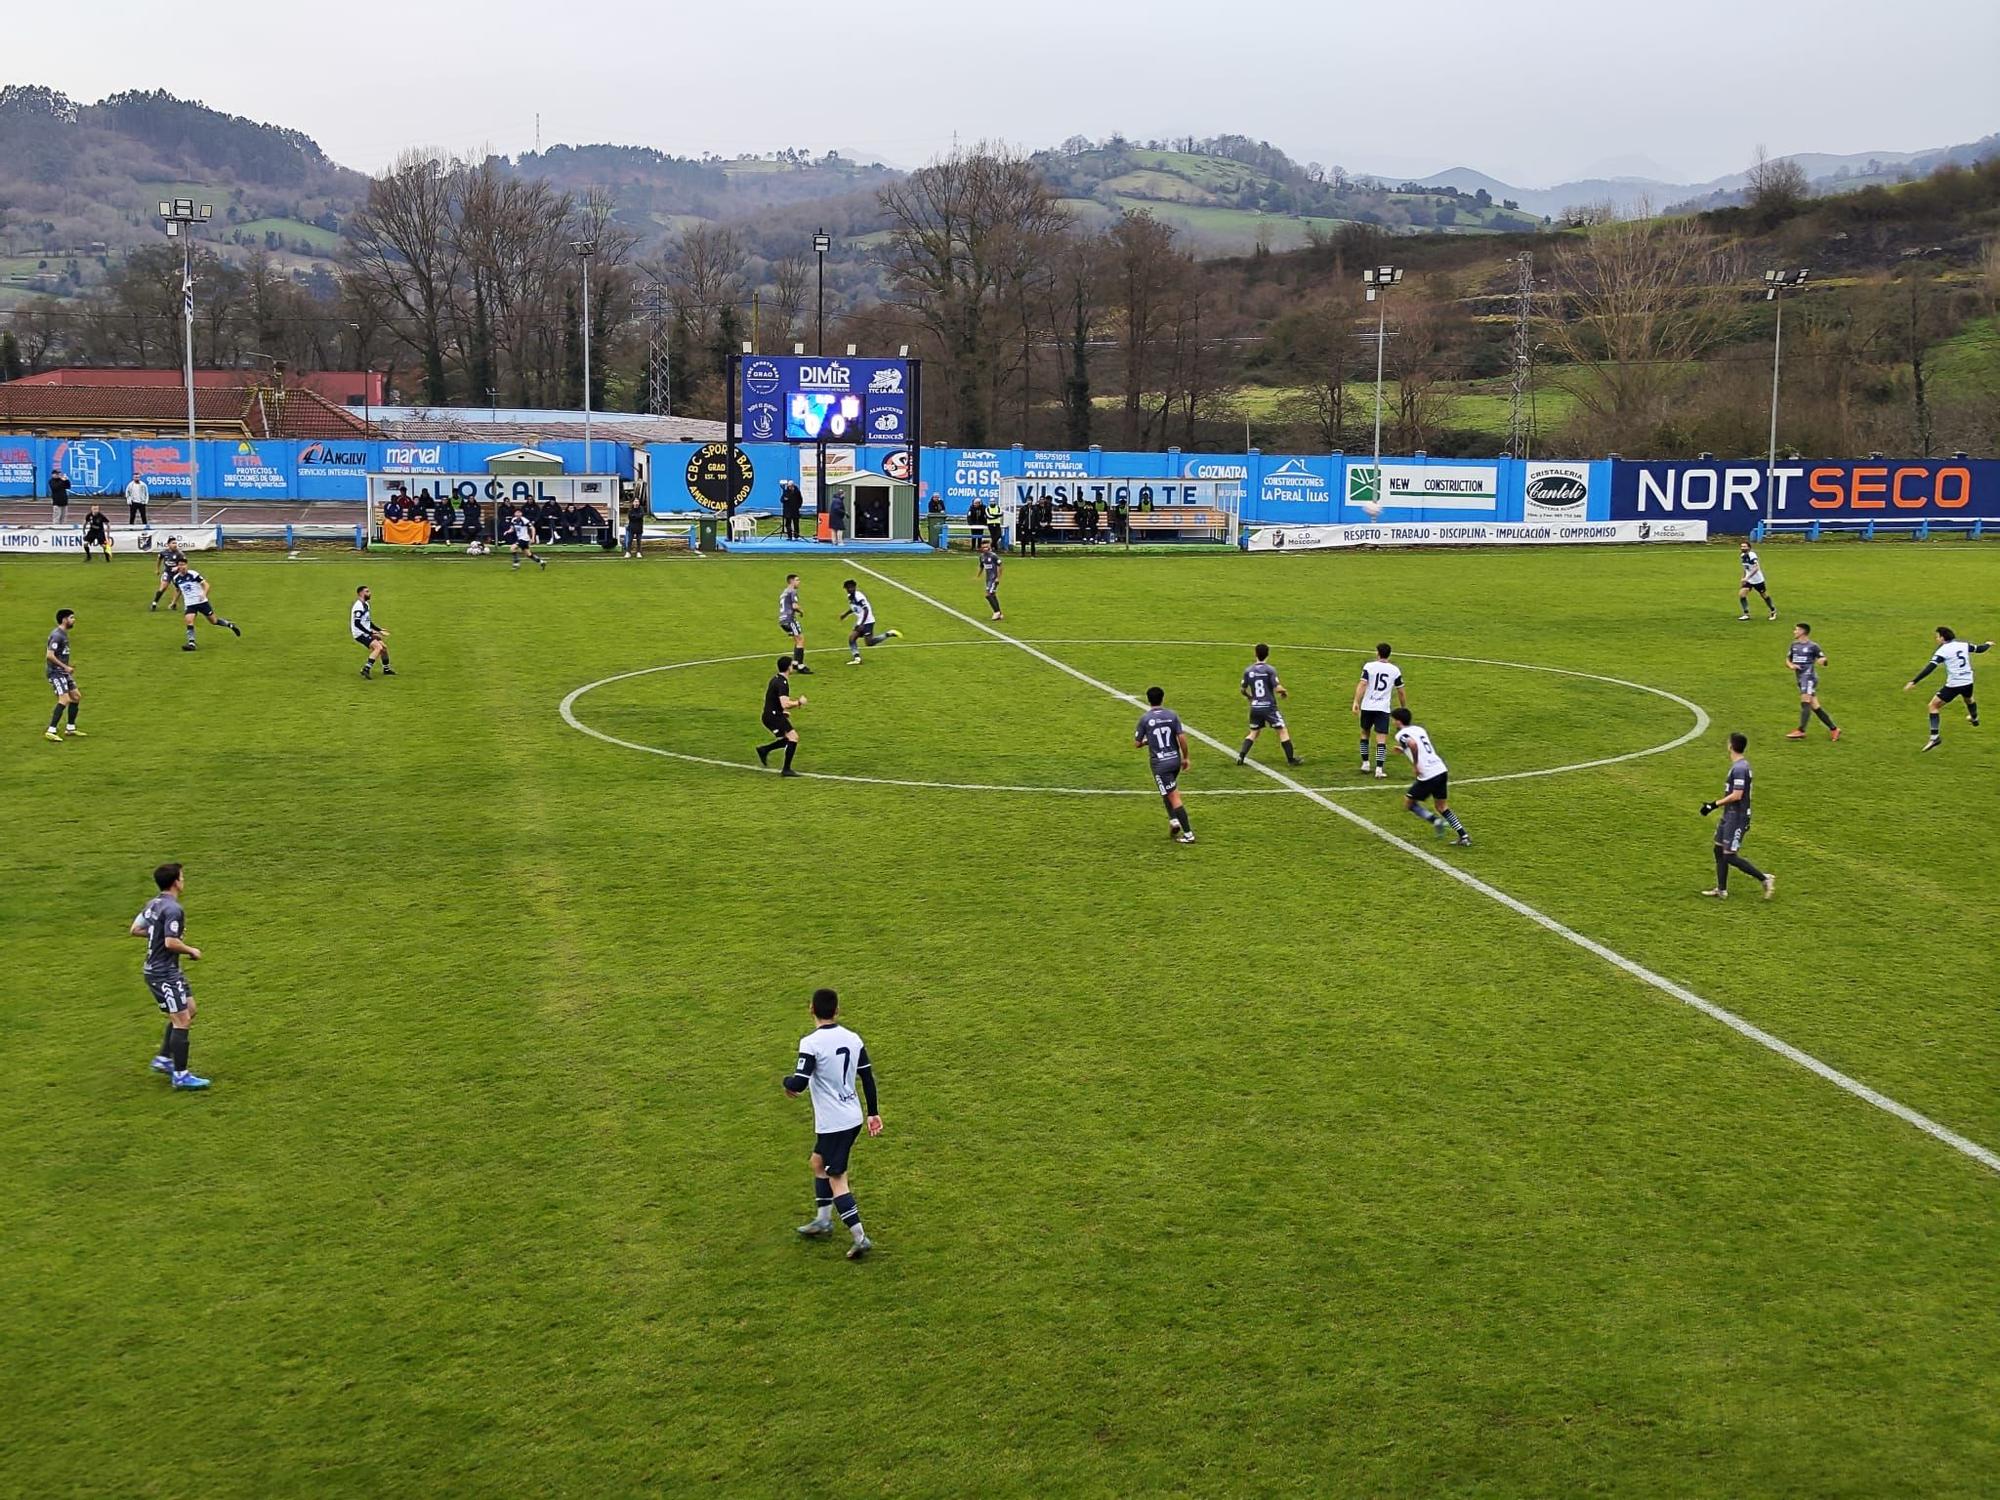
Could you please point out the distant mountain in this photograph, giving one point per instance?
(1827, 174)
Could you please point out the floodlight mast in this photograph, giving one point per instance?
(1378, 280)
(1775, 284)
(585, 249)
(181, 216)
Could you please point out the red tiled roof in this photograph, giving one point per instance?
(255, 411)
(342, 387)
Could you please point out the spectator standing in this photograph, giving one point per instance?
(1121, 521)
(137, 497)
(1027, 526)
(635, 526)
(791, 503)
(58, 498)
(975, 517)
(836, 515)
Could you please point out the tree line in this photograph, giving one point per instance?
(463, 282)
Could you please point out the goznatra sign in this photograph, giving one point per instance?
(1746, 493)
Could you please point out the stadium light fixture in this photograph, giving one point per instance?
(850, 351)
(1378, 280)
(799, 348)
(1776, 282)
(181, 216)
(822, 242)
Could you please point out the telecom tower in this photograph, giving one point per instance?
(659, 357)
(1518, 435)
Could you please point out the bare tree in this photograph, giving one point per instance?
(1633, 303)
(404, 245)
(1145, 272)
(789, 278)
(959, 231)
(1774, 189)
(1318, 343)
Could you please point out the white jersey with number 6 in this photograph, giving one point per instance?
(1383, 679)
(830, 1056)
(1416, 744)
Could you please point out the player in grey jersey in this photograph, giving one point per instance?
(1164, 739)
(62, 677)
(1955, 656)
(1805, 659)
(989, 574)
(162, 924)
(1262, 688)
(170, 556)
(1735, 825)
(832, 1060)
(791, 620)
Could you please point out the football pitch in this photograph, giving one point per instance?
(1298, 1160)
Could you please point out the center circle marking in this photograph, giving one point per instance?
(567, 709)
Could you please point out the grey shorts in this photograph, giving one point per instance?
(171, 992)
(1167, 774)
(1730, 832)
(1266, 716)
(1808, 684)
(63, 683)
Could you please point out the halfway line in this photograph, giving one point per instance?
(1961, 1144)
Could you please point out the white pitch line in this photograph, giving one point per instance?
(567, 708)
(1943, 1133)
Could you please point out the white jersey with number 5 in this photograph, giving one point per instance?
(1956, 659)
(830, 1056)
(1416, 744)
(1383, 679)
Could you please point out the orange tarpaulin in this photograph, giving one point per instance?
(406, 533)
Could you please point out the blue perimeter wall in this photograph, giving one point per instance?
(266, 471)
(1282, 489)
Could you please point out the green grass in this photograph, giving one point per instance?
(292, 231)
(1484, 406)
(1968, 364)
(1278, 1164)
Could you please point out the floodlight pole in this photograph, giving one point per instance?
(585, 249)
(181, 215)
(1776, 282)
(1378, 280)
(822, 242)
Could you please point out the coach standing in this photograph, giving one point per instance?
(137, 498)
(58, 497)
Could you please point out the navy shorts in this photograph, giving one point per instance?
(1960, 690)
(171, 992)
(1436, 787)
(203, 607)
(834, 1148)
(1374, 721)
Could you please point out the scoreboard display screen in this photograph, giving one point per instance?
(802, 399)
(834, 417)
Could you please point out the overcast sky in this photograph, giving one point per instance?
(1533, 93)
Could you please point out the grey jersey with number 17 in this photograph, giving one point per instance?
(163, 918)
(1160, 732)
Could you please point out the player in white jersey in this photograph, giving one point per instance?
(194, 601)
(1433, 780)
(1379, 690)
(369, 636)
(521, 537)
(1753, 578)
(864, 623)
(832, 1060)
(1955, 656)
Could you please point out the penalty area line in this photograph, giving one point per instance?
(1964, 1145)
